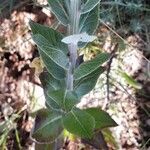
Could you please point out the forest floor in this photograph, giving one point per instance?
(21, 94)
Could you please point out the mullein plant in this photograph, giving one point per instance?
(65, 80)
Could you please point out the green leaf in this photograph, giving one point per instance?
(86, 84)
(56, 98)
(89, 21)
(89, 5)
(130, 80)
(102, 118)
(70, 100)
(56, 71)
(51, 103)
(53, 53)
(65, 100)
(79, 122)
(88, 67)
(51, 49)
(51, 84)
(59, 10)
(54, 59)
(48, 126)
(53, 37)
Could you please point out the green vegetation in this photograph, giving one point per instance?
(63, 81)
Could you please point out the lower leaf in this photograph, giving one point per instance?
(50, 84)
(47, 127)
(80, 123)
(102, 118)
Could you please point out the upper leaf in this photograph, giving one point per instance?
(79, 122)
(55, 70)
(89, 21)
(102, 118)
(52, 36)
(54, 53)
(89, 5)
(59, 10)
(48, 126)
(54, 59)
(86, 84)
(88, 67)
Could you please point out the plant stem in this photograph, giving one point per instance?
(74, 13)
(73, 57)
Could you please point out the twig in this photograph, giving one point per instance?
(113, 54)
(125, 90)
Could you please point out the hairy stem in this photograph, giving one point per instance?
(74, 14)
(72, 63)
(73, 28)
